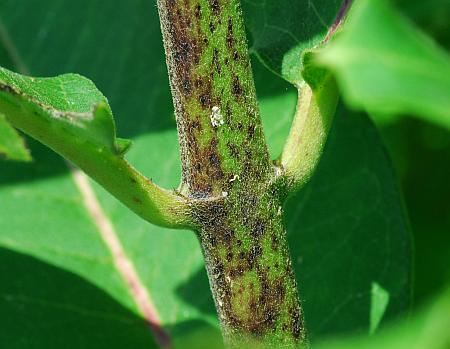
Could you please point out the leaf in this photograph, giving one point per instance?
(428, 329)
(386, 65)
(12, 145)
(42, 301)
(127, 64)
(281, 30)
(70, 103)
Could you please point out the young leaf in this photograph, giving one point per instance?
(386, 65)
(12, 146)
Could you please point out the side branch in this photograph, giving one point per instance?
(316, 107)
(86, 137)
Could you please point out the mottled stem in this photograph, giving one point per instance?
(226, 166)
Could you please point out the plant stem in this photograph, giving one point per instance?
(316, 107)
(226, 165)
(111, 170)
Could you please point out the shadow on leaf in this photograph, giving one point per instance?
(45, 307)
(191, 292)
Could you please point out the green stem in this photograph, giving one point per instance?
(111, 170)
(316, 107)
(226, 164)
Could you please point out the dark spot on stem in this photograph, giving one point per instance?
(230, 38)
(236, 87)
(186, 86)
(228, 110)
(214, 159)
(198, 82)
(198, 11)
(280, 289)
(294, 313)
(215, 7)
(228, 236)
(204, 100)
(253, 254)
(258, 229)
(275, 243)
(195, 125)
(251, 130)
(216, 62)
(234, 151)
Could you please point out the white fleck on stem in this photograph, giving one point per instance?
(216, 117)
(234, 178)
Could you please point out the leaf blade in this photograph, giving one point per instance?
(385, 65)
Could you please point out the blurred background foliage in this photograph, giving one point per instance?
(421, 156)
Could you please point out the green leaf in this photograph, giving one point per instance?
(61, 246)
(386, 65)
(47, 307)
(428, 329)
(12, 145)
(281, 30)
(69, 103)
